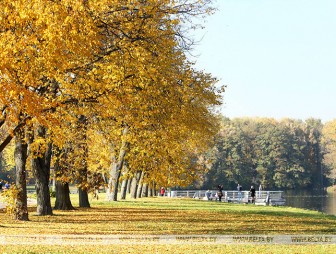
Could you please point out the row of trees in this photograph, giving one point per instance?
(87, 86)
(282, 154)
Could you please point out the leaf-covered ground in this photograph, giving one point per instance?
(173, 216)
(162, 216)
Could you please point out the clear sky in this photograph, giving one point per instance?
(277, 57)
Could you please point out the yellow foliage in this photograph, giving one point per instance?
(118, 63)
(8, 156)
(9, 197)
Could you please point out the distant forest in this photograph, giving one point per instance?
(286, 154)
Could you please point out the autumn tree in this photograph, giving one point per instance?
(121, 62)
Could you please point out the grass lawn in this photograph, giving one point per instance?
(162, 216)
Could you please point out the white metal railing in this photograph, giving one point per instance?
(227, 195)
(183, 193)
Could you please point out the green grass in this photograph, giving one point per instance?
(162, 216)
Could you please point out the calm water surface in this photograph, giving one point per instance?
(312, 200)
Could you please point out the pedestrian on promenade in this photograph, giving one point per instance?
(162, 191)
(239, 189)
(252, 193)
(220, 192)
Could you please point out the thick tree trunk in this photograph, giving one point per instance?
(20, 157)
(63, 201)
(83, 198)
(43, 193)
(62, 190)
(41, 171)
(134, 185)
(139, 191)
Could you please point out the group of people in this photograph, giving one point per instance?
(239, 189)
(252, 192)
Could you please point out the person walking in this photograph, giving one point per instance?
(239, 189)
(162, 191)
(208, 194)
(252, 193)
(220, 192)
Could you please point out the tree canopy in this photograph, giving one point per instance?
(284, 154)
(108, 79)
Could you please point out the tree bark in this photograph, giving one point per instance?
(112, 188)
(123, 188)
(83, 198)
(62, 190)
(134, 185)
(116, 166)
(144, 190)
(83, 170)
(129, 183)
(20, 157)
(41, 170)
(63, 201)
(139, 190)
(154, 193)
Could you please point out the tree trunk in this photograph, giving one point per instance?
(112, 188)
(123, 189)
(144, 190)
(41, 170)
(63, 201)
(42, 187)
(139, 190)
(20, 157)
(154, 193)
(62, 190)
(116, 166)
(83, 198)
(129, 183)
(83, 170)
(134, 185)
(125, 177)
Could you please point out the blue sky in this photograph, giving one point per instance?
(277, 57)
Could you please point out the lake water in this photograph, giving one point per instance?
(318, 200)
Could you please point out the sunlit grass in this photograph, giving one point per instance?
(161, 216)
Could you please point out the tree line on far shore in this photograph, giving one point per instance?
(278, 154)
